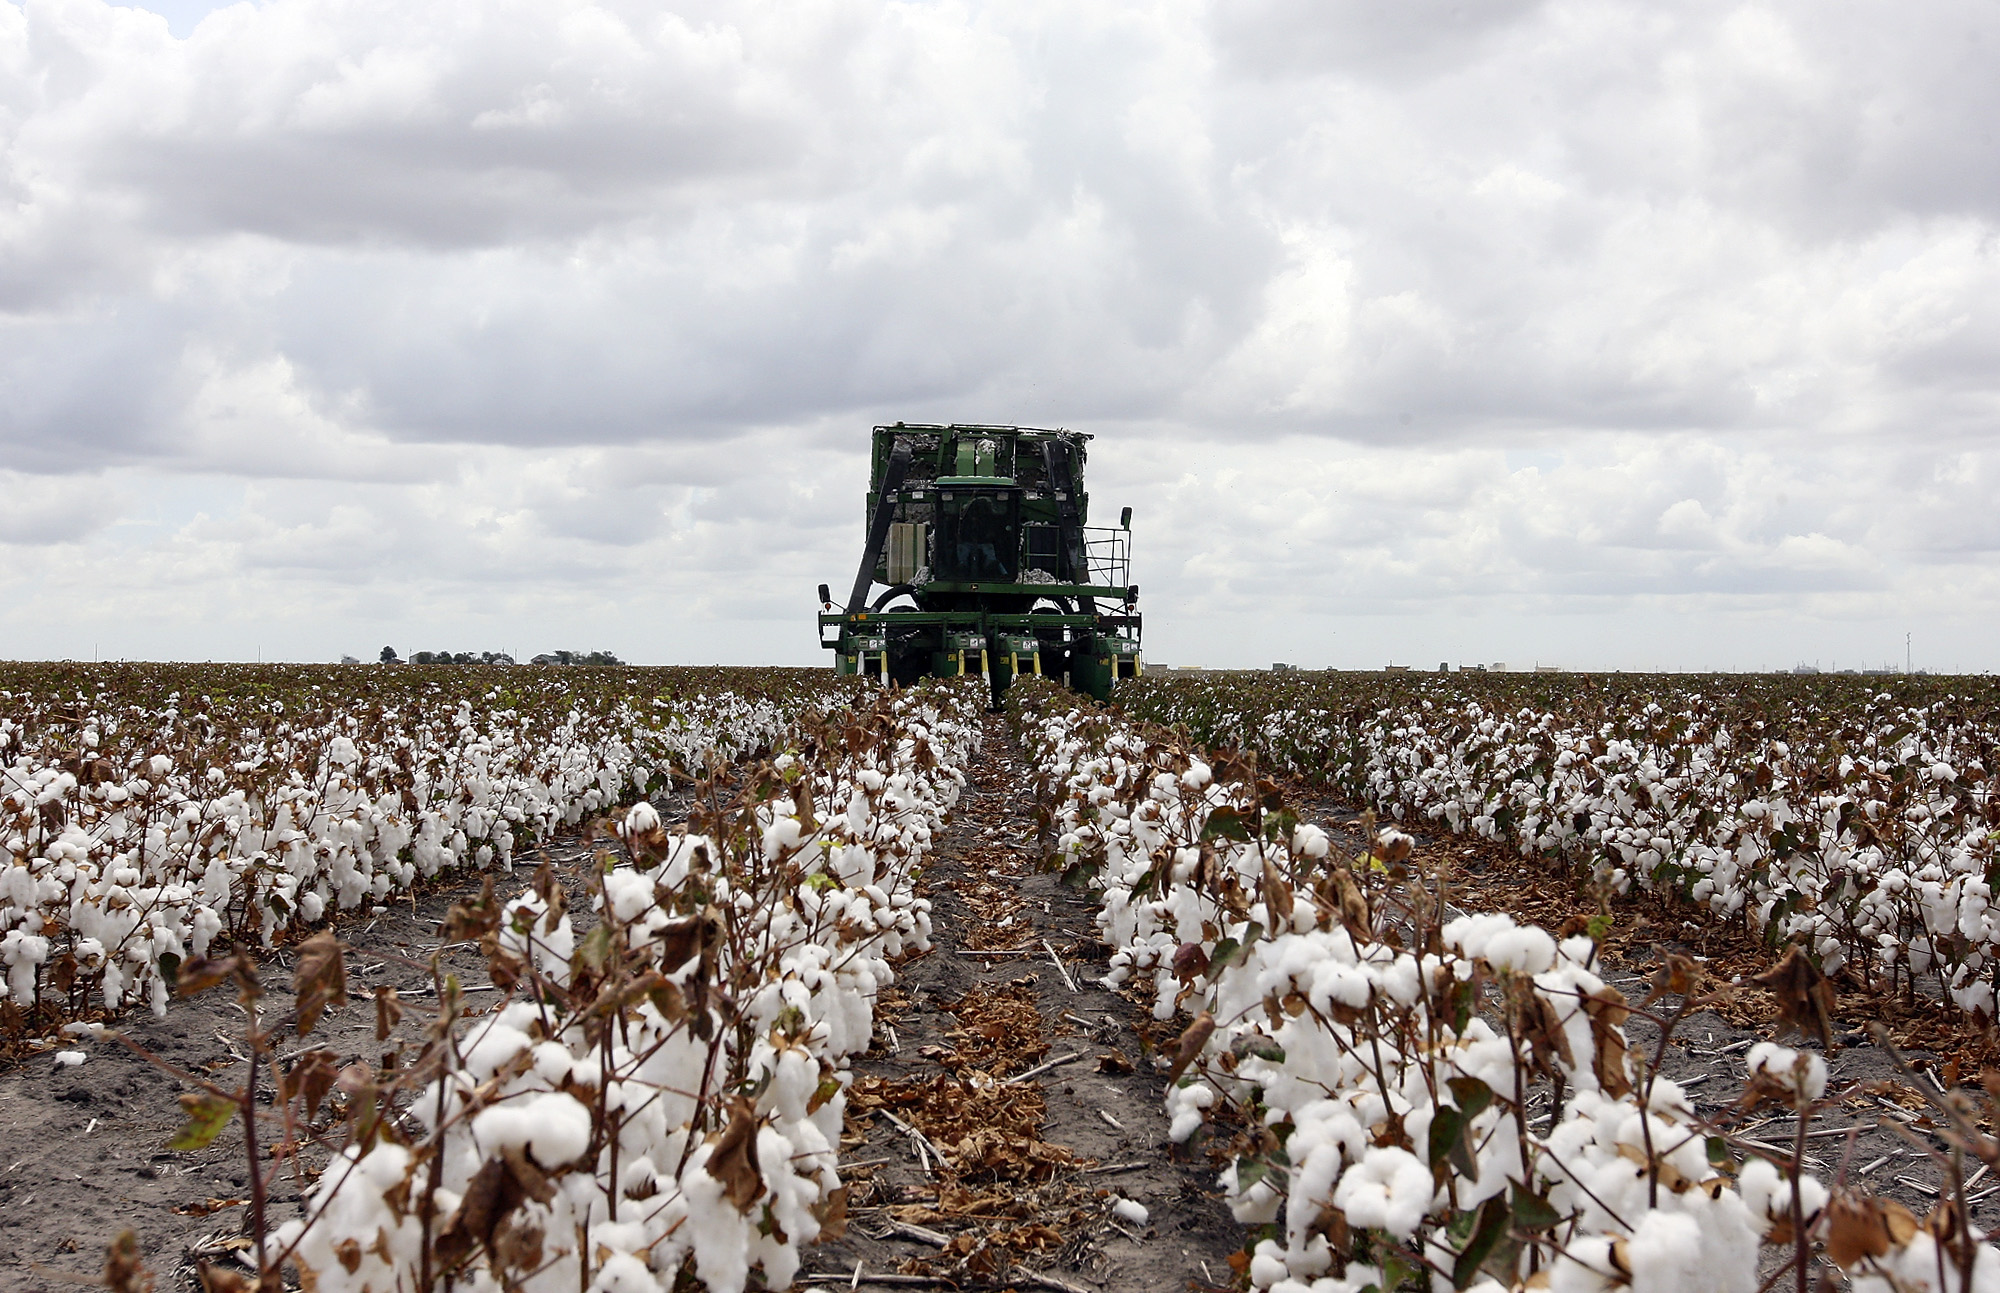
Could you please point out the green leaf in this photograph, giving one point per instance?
(1227, 824)
(1398, 1270)
(1280, 825)
(170, 968)
(1225, 952)
(1718, 1153)
(1249, 1171)
(1231, 951)
(1471, 1095)
(207, 1115)
(1464, 996)
(1532, 1211)
(1494, 1220)
(595, 950)
(1451, 1131)
(1447, 1133)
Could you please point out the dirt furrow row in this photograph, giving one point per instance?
(1007, 1128)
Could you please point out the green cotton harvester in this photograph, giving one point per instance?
(979, 545)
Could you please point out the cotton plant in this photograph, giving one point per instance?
(139, 841)
(662, 1096)
(1463, 1110)
(1873, 848)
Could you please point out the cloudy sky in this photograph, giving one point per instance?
(1605, 333)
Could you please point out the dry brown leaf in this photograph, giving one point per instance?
(124, 1270)
(1861, 1226)
(1277, 896)
(388, 1012)
(1803, 995)
(1607, 1012)
(1191, 1042)
(734, 1159)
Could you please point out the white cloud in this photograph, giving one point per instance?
(1601, 329)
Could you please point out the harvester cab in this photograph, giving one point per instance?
(980, 559)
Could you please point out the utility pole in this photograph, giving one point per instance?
(1906, 653)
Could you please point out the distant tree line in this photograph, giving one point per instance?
(389, 656)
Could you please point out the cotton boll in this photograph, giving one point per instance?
(1584, 1266)
(1760, 1186)
(629, 894)
(1131, 1211)
(1666, 1255)
(553, 1127)
(1389, 1189)
(641, 819)
(624, 1273)
(1267, 1265)
(553, 1063)
(1803, 1073)
(1524, 948)
(1256, 1206)
(70, 1059)
(493, 1046)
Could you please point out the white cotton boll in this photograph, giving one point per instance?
(1765, 1193)
(495, 1044)
(1310, 841)
(1197, 775)
(629, 893)
(1389, 1189)
(1256, 1206)
(503, 1126)
(1914, 1268)
(1584, 1266)
(1524, 948)
(552, 1127)
(553, 1063)
(782, 836)
(1267, 1266)
(624, 1273)
(1131, 1210)
(1667, 1256)
(562, 1130)
(1471, 934)
(1578, 949)
(1801, 1072)
(70, 1059)
(641, 819)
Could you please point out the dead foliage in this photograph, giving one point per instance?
(984, 1130)
(996, 909)
(999, 1029)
